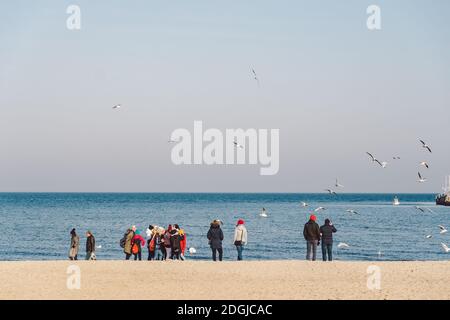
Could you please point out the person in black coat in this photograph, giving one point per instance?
(90, 246)
(175, 244)
(311, 233)
(327, 231)
(215, 237)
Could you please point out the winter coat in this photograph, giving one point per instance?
(327, 233)
(240, 234)
(311, 231)
(74, 246)
(128, 242)
(215, 236)
(90, 244)
(175, 240)
(182, 241)
(139, 240)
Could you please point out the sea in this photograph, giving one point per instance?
(36, 226)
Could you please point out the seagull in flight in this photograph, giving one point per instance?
(425, 164)
(331, 192)
(429, 236)
(319, 209)
(424, 145)
(443, 229)
(117, 106)
(420, 209)
(421, 179)
(238, 145)
(255, 76)
(445, 247)
(303, 204)
(343, 245)
(375, 159)
(352, 211)
(338, 185)
(396, 158)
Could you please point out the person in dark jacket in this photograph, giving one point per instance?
(175, 244)
(326, 232)
(215, 237)
(311, 232)
(90, 246)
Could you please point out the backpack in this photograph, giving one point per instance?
(123, 240)
(135, 248)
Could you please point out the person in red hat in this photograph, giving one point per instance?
(240, 237)
(311, 232)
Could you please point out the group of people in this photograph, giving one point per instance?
(170, 243)
(162, 244)
(314, 234)
(75, 244)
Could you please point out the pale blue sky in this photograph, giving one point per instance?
(333, 88)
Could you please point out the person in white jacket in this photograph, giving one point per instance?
(240, 237)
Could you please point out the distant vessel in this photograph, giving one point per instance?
(395, 202)
(443, 199)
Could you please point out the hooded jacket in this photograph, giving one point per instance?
(215, 236)
(74, 245)
(327, 231)
(311, 231)
(240, 234)
(90, 244)
(128, 242)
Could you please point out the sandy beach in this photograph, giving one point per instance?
(226, 280)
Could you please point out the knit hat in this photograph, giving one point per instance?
(240, 221)
(312, 217)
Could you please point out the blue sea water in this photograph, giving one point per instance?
(36, 226)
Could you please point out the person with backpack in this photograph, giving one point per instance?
(136, 246)
(90, 246)
(182, 241)
(240, 238)
(126, 242)
(215, 238)
(311, 233)
(74, 245)
(326, 231)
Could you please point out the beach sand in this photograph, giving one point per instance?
(224, 280)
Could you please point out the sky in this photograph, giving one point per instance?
(333, 88)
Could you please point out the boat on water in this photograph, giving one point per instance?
(443, 199)
(395, 202)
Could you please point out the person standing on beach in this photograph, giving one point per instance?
(182, 241)
(311, 232)
(136, 247)
(90, 246)
(215, 237)
(240, 238)
(74, 245)
(127, 242)
(166, 240)
(326, 232)
(175, 244)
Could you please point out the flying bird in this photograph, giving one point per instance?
(444, 246)
(338, 185)
(352, 211)
(429, 236)
(303, 204)
(375, 159)
(343, 245)
(420, 209)
(443, 229)
(424, 145)
(117, 106)
(396, 158)
(255, 76)
(425, 164)
(331, 192)
(421, 179)
(238, 145)
(319, 209)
